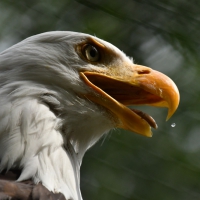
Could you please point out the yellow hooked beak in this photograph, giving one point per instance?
(140, 86)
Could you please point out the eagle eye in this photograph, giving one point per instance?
(91, 53)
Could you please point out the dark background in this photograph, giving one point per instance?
(164, 35)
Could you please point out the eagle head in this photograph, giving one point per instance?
(60, 92)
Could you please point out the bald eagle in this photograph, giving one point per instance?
(62, 91)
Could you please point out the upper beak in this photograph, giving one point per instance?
(158, 85)
(138, 86)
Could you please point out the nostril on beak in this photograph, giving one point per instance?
(144, 71)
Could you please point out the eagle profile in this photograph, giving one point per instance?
(59, 93)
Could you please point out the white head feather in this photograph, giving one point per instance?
(45, 128)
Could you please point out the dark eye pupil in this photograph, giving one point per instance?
(93, 52)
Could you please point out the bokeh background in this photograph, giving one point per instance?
(161, 34)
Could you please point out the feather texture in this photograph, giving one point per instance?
(45, 127)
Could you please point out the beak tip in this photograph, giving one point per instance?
(170, 113)
(168, 116)
(149, 134)
(171, 110)
(173, 103)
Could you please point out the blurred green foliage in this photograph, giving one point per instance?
(161, 34)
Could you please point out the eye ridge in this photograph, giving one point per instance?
(91, 53)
